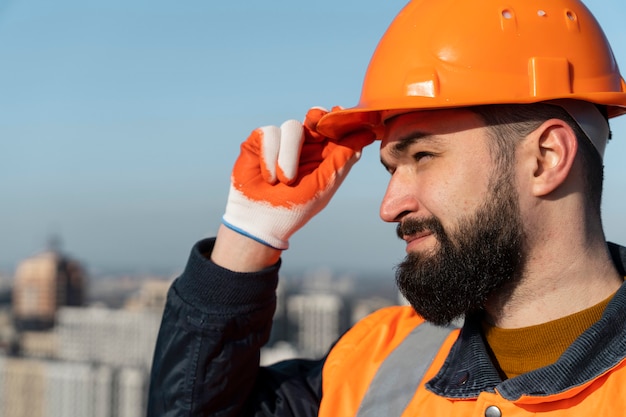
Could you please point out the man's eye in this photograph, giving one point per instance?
(418, 156)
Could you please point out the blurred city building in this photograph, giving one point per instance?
(43, 284)
(123, 338)
(69, 350)
(62, 357)
(317, 319)
(45, 388)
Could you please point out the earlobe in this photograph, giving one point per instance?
(555, 146)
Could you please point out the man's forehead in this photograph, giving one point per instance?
(428, 123)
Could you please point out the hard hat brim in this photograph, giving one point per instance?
(340, 123)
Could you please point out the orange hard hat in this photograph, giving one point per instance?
(456, 53)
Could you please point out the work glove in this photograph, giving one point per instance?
(285, 175)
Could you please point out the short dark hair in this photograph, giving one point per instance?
(508, 121)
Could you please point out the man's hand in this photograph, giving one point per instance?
(285, 175)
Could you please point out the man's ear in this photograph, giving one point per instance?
(553, 146)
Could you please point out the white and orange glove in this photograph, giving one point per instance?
(286, 175)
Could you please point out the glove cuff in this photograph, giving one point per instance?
(277, 243)
(259, 220)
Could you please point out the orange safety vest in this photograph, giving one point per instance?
(354, 361)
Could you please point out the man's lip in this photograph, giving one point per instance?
(410, 238)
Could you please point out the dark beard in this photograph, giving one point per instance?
(481, 256)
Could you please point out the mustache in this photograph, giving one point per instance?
(412, 226)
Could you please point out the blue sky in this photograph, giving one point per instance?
(120, 121)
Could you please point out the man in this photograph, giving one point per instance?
(492, 121)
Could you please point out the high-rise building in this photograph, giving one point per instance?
(318, 319)
(113, 337)
(43, 283)
(47, 388)
(151, 295)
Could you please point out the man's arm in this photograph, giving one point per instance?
(207, 357)
(219, 312)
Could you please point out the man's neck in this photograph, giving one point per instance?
(555, 285)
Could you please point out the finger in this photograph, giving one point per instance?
(358, 140)
(291, 140)
(270, 146)
(311, 119)
(313, 116)
(337, 160)
(344, 154)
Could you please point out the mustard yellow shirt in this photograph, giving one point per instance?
(517, 351)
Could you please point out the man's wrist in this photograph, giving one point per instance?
(240, 253)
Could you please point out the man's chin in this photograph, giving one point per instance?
(439, 317)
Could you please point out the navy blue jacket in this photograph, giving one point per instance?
(206, 360)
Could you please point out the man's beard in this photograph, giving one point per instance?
(481, 256)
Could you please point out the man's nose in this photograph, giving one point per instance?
(400, 198)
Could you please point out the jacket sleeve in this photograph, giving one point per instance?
(206, 360)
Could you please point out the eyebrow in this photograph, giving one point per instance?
(403, 142)
(407, 140)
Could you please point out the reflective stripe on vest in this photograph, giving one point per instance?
(398, 377)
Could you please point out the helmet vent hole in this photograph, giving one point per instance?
(507, 14)
(541, 13)
(571, 15)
